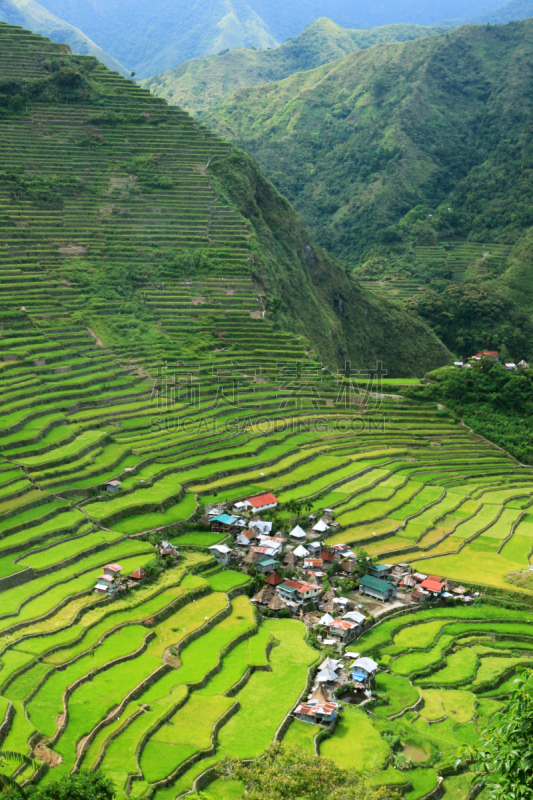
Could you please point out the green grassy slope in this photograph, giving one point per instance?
(411, 161)
(135, 173)
(32, 15)
(384, 111)
(202, 83)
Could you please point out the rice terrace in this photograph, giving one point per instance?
(209, 539)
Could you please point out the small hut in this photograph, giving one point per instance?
(277, 604)
(290, 560)
(264, 596)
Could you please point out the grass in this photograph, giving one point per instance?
(115, 683)
(419, 636)
(423, 781)
(460, 666)
(226, 790)
(458, 705)
(356, 743)
(47, 703)
(198, 538)
(301, 734)
(400, 692)
(13, 600)
(187, 731)
(247, 734)
(157, 519)
(226, 580)
(493, 668)
(419, 660)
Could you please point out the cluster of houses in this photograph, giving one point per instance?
(337, 620)
(112, 581)
(349, 675)
(490, 355)
(422, 588)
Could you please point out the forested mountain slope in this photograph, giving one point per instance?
(163, 319)
(121, 204)
(151, 38)
(405, 147)
(201, 83)
(32, 15)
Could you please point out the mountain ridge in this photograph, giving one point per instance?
(150, 39)
(127, 204)
(199, 84)
(394, 153)
(33, 16)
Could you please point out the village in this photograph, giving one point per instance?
(336, 592)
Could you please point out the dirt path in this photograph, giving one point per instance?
(99, 342)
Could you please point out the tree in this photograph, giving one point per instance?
(363, 561)
(7, 783)
(504, 755)
(290, 772)
(84, 785)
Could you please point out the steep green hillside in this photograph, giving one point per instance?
(32, 15)
(201, 83)
(151, 38)
(411, 160)
(125, 200)
(148, 275)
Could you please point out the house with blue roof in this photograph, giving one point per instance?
(224, 523)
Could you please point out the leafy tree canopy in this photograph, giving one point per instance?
(84, 785)
(290, 772)
(504, 755)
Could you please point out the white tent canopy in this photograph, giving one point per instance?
(326, 675)
(320, 526)
(330, 663)
(298, 533)
(325, 620)
(301, 552)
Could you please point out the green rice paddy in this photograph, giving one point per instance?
(80, 406)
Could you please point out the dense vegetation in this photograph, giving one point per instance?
(164, 319)
(493, 401)
(201, 83)
(397, 154)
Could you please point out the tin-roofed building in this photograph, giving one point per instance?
(374, 587)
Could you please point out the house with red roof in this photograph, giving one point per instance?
(491, 354)
(261, 502)
(343, 630)
(313, 564)
(299, 592)
(323, 712)
(274, 579)
(110, 580)
(435, 587)
(139, 575)
(167, 550)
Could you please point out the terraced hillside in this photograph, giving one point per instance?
(444, 674)
(457, 261)
(137, 346)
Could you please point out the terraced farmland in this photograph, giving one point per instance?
(208, 401)
(462, 260)
(444, 674)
